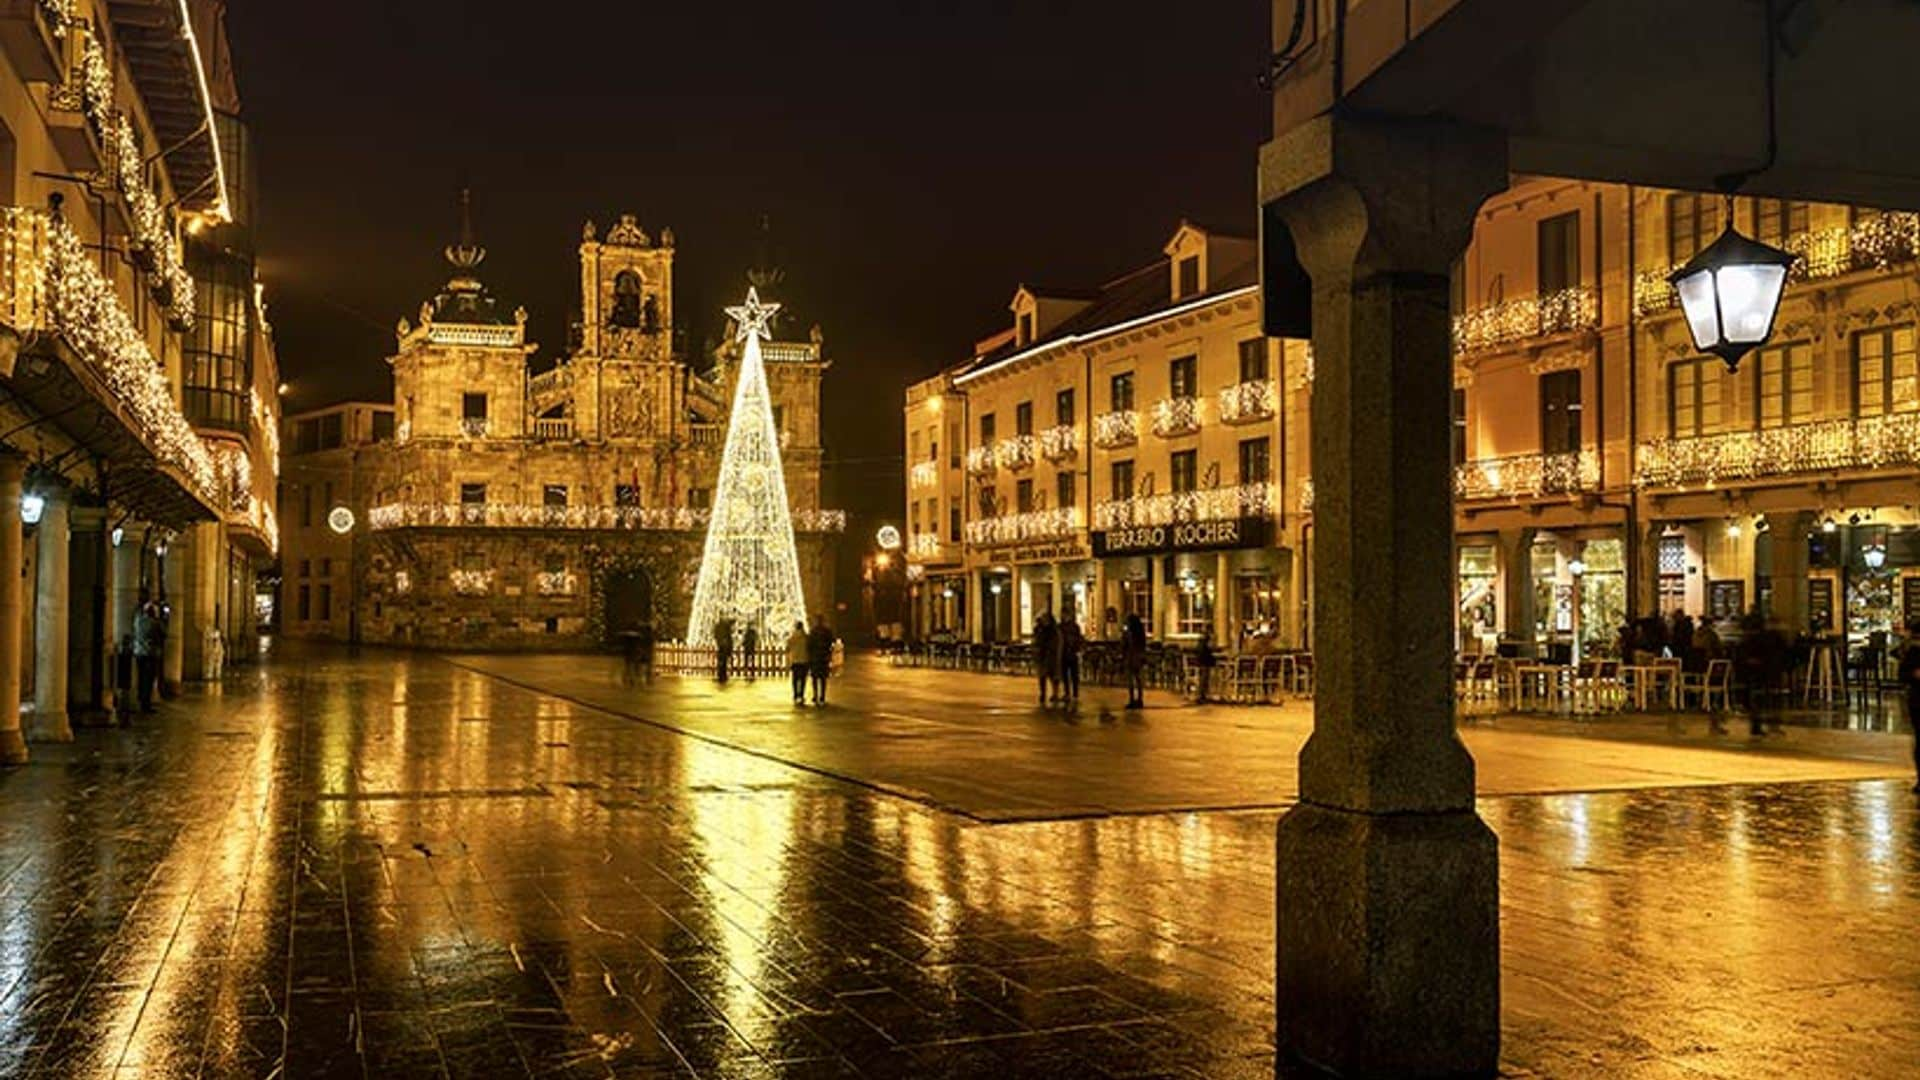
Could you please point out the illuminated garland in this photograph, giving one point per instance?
(1014, 453)
(471, 582)
(1306, 496)
(924, 474)
(268, 425)
(1215, 504)
(1252, 400)
(555, 582)
(1561, 312)
(1176, 416)
(58, 15)
(925, 545)
(1866, 443)
(1060, 442)
(604, 518)
(236, 473)
(981, 460)
(1116, 429)
(83, 307)
(1527, 474)
(1876, 243)
(1018, 528)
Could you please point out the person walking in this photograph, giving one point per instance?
(1071, 640)
(1203, 661)
(797, 660)
(820, 656)
(1046, 654)
(1910, 679)
(149, 641)
(749, 651)
(1133, 657)
(722, 647)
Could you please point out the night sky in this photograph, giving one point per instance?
(917, 161)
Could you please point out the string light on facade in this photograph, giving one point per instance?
(1060, 442)
(1866, 443)
(1014, 453)
(1524, 475)
(1251, 400)
(471, 582)
(536, 516)
(1051, 524)
(1214, 504)
(1176, 416)
(1116, 429)
(1564, 311)
(925, 474)
(750, 570)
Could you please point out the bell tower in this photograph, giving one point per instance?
(626, 293)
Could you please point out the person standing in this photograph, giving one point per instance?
(1133, 657)
(722, 648)
(1046, 654)
(1910, 678)
(820, 656)
(1070, 642)
(1203, 661)
(797, 660)
(149, 640)
(749, 650)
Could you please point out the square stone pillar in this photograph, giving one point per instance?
(1387, 909)
(91, 639)
(53, 541)
(1516, 583)
(1789, 568)
(13, 745)
(1223, 631)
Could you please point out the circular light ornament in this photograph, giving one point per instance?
(32, 505)
(1730, 293)
(888, 538)
(340, 520)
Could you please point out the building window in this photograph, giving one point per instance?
(1063, 408)
(1560, 412)
(953, 445)
(913, 526)
(1023, 418)
(553, 495)
(1253, 360)
(1692, 223)
(332, 431)
(472, 494)
(986, 430)
(1254, 457)
(1193, 610)
(1779, 221)
(1673, 573)
(1783, 376)
(217, 354)
(326, 602)
(1559, 252)
(1120, 480)
(1459, 424)
(1023, 496)
(1180, 377)
(1883, 371)
(1026, 328)
(1693, 397)
(306, 567)
(1189, 283)
(1063, 490)
(382, 426)
(626, 495)
(953, 524)
(699, 498)
(473, 406)
(304, 603)
(1184, 467)
(1120, 392)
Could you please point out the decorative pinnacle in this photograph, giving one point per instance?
(752, 318)
(466, 255)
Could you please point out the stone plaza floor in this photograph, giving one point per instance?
(399, 865)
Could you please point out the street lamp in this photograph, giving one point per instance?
(32, 505)
(1874, 555)
(1730, 293)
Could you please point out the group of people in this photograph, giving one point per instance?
(810, 658)
(1056, 656)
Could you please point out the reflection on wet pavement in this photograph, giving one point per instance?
(396, 867)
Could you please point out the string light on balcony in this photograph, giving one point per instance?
(1060, 442)
(535, 516)
(1176, 416)
(1214, 504)
(1733, 529)
(1563, 311)
(1250, 400)
(1116, 429)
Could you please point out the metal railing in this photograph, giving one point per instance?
(1214, 504)
(1248, 401)
(553, 427)
(1176, 416)
(1869, 442)
(1527, 474)
(1561, 312)
(1060, 442)
(1052, 524)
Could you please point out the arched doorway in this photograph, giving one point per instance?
(629, 602)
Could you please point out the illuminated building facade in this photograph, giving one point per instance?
(141, 390)
(494, 507)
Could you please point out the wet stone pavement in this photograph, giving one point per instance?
(393, 866)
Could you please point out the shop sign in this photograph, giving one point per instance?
(1038, 553)
(1243, 532)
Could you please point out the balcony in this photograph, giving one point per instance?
(1867, 443)
(84, 364)
(981, 461)
(585, 518)
(473, 427)
(926, 547)
(924, 474)
(1116, 429)
(1060, 443)
(1874, 244)
(1565, 312)
(1034, 525)
(556, 428)
(1176, 416)
(33, 35)
(1247, 402)
(1015, 453)
(1527, 475)
(1176, 507)
(700, 434)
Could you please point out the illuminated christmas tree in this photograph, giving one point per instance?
(750, 572)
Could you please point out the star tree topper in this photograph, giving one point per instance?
(753, 317)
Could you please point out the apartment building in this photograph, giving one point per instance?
(141, 405)
(1603, 469)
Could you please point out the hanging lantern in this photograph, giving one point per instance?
(1730, 293)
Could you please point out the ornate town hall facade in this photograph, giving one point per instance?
(492, 507)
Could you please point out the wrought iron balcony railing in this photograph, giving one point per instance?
(1034, 525)
(553, 427)
(1869, 442)
(1060, 442)
(1246, 402)
(981, 461)
(1176, 416)
(1215, 504)
(1562, 312)
(1115, 429)
(1527, 474)
(924, 474)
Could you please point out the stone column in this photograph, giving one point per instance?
(1789, 567)
(976, 607)
(13, 745)
(171, 569)
(92, 637)
(1388, 908)
(1646, 586)
(53, 587)
(1095, 622)
(1223, 634)
(1516, 581)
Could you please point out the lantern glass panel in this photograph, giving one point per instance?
(1748, 295)
(1702, 311)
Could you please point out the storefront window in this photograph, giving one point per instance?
(1603, 591)
(1193, 612)
(1136, 598)
(1256, 603)
(1479, 610)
